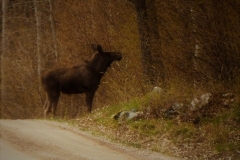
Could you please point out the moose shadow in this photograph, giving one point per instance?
(83, 78)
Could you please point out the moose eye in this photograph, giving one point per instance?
(109, 54)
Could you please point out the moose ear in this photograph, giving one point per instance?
(94, 47)
(99, 48)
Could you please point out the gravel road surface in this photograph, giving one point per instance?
(42, 139)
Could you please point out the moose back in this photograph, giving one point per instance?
(83, 78)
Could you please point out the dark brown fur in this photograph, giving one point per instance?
(83, 78)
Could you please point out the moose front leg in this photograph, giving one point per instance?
(89, 100)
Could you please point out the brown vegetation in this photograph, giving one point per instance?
(191, 44)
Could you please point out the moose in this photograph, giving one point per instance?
(83, 78)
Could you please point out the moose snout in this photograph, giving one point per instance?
(119, 56)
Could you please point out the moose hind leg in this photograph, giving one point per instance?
(52, 103)
(45, 104)
(47, 108)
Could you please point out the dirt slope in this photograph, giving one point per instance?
(39, 139)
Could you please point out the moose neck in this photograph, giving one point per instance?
(99, 64)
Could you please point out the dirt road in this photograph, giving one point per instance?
(40, 139)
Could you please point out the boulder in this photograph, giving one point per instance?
(134, 115)
(158, 90)
(227, 99)
(119, 115)
(173, 110)
(203, 100)
(128, 115)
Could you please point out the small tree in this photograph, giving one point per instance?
(150, 42)
(53, 32)
(38, 42)
(4, 46)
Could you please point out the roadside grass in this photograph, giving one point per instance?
(226, 130)
(221, 133)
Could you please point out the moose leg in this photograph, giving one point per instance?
(89, 100)
(48, 106)
(55, 103)
(45, 104)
